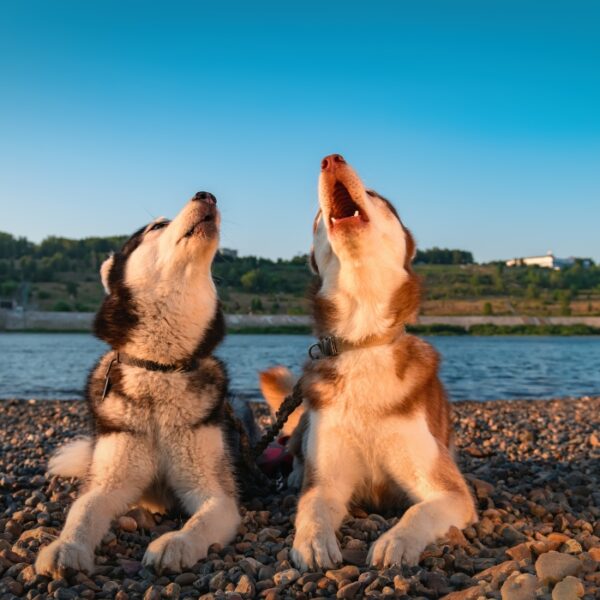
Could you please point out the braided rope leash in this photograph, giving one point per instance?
(288, 406)
(254, 481)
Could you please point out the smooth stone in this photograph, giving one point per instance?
(520, 552)
(498, 572)
(142, 517)
(519, 586)
(349, 591)
(553, 567)
(286, 577)
(152, 593)
(245, 586)
(127, 524)
(186, 578)
(171, 591)
(472, 593)
(570, 588)
(349, 572)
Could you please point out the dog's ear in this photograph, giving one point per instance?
(312, 262)
(411, 247)
(105, 272)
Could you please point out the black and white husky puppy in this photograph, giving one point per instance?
(376, 423)
(158, 399)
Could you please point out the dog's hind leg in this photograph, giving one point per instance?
(121, 469)
(426, 470)
(201, 477)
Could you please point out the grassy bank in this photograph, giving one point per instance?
(561, 330)
(441, 329)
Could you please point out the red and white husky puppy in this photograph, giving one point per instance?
(376, 423)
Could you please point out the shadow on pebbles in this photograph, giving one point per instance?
(534, 467)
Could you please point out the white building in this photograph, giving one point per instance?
(547, 261)
(228, 252)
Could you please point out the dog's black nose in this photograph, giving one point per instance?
(206, 197)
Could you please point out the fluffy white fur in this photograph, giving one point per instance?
(73, 459)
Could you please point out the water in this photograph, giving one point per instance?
(46, 365)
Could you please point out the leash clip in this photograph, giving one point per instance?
(107, 377)
(327, 347)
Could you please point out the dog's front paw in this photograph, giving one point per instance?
(394, 548)
(175, 551)
(60, 555)
(318, 551)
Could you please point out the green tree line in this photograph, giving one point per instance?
(447, 273)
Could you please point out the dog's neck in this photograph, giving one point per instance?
(171, 329)
(361, 295)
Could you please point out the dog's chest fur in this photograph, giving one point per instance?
(366, 403)
(161, 405)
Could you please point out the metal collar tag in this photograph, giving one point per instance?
(327, 346)
(107, 377)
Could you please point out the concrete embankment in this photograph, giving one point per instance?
(17, 320)
(468, 321)
(32, 320)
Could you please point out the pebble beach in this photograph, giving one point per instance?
(534, 467)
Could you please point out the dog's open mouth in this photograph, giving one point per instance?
(207, 221)
(343, 209)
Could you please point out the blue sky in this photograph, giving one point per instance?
(480, 120)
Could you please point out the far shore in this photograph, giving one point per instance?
(81, 322)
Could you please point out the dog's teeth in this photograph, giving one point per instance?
(333, 220)
(356, 213)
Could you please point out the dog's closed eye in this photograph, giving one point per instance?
(158, 225)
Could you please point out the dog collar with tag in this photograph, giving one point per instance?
(331, 345)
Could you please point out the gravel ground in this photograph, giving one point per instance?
(534, 467)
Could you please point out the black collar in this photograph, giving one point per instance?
(331, 345)
(180, 366)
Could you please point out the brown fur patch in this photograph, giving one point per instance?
(416, 358)
(383, 497)
(309, 478)
(405, 302)
(446, 474)
(417, 366)
(438, 411)
(323, 310)
(319, 383)
(409, 239)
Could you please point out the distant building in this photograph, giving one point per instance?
(228, 252)
(547, 261)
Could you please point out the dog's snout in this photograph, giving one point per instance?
(330, 162)
(205, 197)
